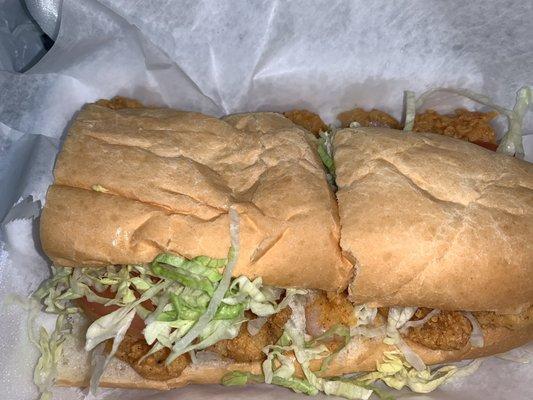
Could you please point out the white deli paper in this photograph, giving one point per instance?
(225, 57)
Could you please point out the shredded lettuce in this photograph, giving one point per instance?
(238, 378)
(182, 345)
(337, 330)
(365, 315)
(178, 307)
(409, 110)
(377, 332)
(307, 352)
(397, 373)
(476, 337)
(99, 362)
(55, 293)
(279, 367)
(325, 151)
(108, 326)
(197, 303)
(397, 318)
(49, 344)
(50, 347)
(512, 140)
(119, 331)
(296, 384)
(420, 322)
(325, 155)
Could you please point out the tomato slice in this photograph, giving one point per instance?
(95, 310)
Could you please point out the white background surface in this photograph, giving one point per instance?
(225, 57)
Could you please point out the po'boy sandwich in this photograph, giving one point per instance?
(191, 249)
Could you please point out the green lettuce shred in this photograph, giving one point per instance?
(238, 378)
(197, 303)
(326, 158)
(50, 347)
(397, 373)
(397, 318)
(325, 151)
(279, 368)
(337, 330)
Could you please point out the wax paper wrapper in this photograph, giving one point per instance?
(225, 57)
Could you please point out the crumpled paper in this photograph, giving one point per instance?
(226, 57)
(20, 37)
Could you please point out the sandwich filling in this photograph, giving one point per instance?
(144, 315)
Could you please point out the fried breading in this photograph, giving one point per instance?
(243, 348)
(277, 321)
(509, 321)
(307, 119)
(328, 309)
(118, 102)
(473, 126)
(373, 118)
(248, 348)
(448, 330)
(154, 367)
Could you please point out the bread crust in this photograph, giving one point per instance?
(360, 355)
(434, 221)
(132, 183)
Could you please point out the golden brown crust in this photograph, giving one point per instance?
(133, 348)
(248, 348)
(473, 126)
(374, 118)
(132, 183)
(118, 102)
(307, 119)
(448, 330)
(327, 310)
(510, 321)
(434, 221)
